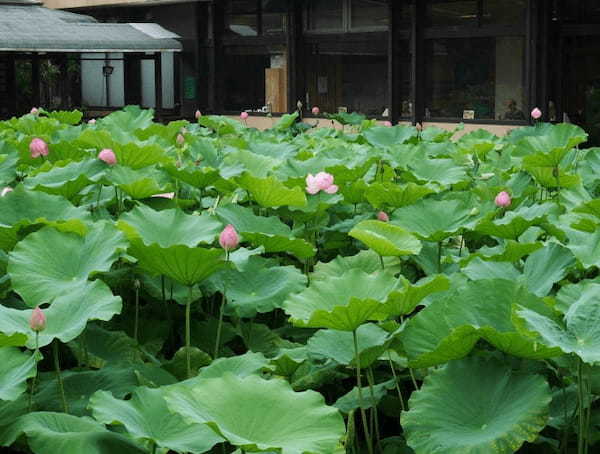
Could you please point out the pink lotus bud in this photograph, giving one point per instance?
(311, 184)
(536, 114)
(38, 148)
(92, 121)
(387, 123)
(316, 110)
(165, 195)
(332, 189)
(180, 139)
(34, 111)
(244, 116)
(5, 191)
(502, 199)
(229, 239)
(324, 180)
(108, 156)
(383, 217)
(198, 114)
(37, 322)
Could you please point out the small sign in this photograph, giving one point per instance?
(468, 115)
(322, 85)
(342, 110)
(189, 87)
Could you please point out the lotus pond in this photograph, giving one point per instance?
(209, 287)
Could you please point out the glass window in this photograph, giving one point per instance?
(369, 14)
(451, 12)
(504, 12)
(273, 16)
(475, 78)
(241, 17)
(326, 15)
(580, 11)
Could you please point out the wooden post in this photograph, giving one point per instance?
(295, 56)
(394, 80)
(417, 48)
(214, 56)
(158, 82)
(35, 80)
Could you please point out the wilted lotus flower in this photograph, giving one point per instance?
(108, 156)
(229, 239)
(198, 114)
(34, 111)
(536, 114)
(387, 123)
(38, 148)
(322, 181)
(165, 195)
(180, 139)
(244, 116)
(316, 110)
(92, 121)
(383, 216)
(37, 322)
(503, 199)
(5, 191)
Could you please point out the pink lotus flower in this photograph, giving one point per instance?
(244, 116)
(383, 216)
(536, 114)
(5, 191)
(503, 199)
(198, 114)
(387, 123)
(38, 148)
(316, 110)
(180, 139)
(37, 322)
(108, 156)
(322, 181)
(34, 111)
(229, 239)
(165, 195)
(92, 121)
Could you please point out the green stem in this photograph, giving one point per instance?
(581, 404)
(396, 381)
(188, 316)
(412, 378)
(363, 413)
(439, 257)
(86, 356)
(98, 199)
(154, 448)
(381, 262)
(371, 381)
(221, 311)
(32, 390)
(557, 176)
(136, 320)
(61, 385)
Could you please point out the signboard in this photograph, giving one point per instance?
(468, 115)
(189, 87)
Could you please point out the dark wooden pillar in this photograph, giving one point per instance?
(531, 56)
(296, 85)
(417, 48)
(35, 80)
(158, 81)
(64, 89)
(394, 79)
(214, 55)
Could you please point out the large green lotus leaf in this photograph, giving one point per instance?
(60, 433)
(48, 263)
(514, 223)
(370, 397)
(585, 246)
(242, 366)
(67, 117)
(382, 195)
(259, 289)
(478, 269)
(17, 367)
(406, 299)
(436, 220)
(8, 166)
(268, 232)
(386, 239)
(546, 266)
(68, 180)
(68, 314)
(443, 171)
(339, 345)
(554, 143)
(198, 177)
(186, 265)
(449, 327)
(257, 165)
(138, 184)
(138, 156)
(382, 136)
(22, 207)
(147, 417)
(367, 261)
(342, 303)
(545, 176)
(570, 293)
(169, 227)
(510, 251)
(270, 192)
(478, 407)
(260, 415)
(579, 331)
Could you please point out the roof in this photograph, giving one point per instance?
(26, 26)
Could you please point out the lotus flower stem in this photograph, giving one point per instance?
(396, 381)
(556, 173)
(584, 413)
(188, 316)
(439, 257)
(61, 385)
(136, 322)
(33, 380)
(462, 242)
(381, 262)
(371, 381)
(363, 413)
(412, 378)
(220, 324)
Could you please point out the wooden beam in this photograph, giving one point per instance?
(296, 86)
(158, 86)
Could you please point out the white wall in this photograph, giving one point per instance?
(168, 82)
(93, 82)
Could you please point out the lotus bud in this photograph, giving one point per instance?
(92, 121)
(383, 216)
(5, 191)
(165, 195)
(34, 111)
(229, 239)
(387, 124)
(536, 114)
(503, 199)
(38, 148)
(198, 114)
(137, 284)
(244, 116)
(37, 322)
(108, 156)
(316, 110)
(180, 139)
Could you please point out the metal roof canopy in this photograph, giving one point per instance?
(27, 26)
